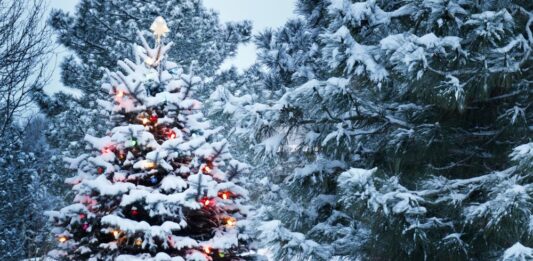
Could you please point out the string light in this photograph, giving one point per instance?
(206, 169)
(138, 242)
(230, 222)
(172, 135)
(134, 212)
(225, 195)
(149, 61)
(207, 250)
(145, 121)
(121, 155)
(154, 118)
(100, 170)
(62, 239)
(107, 150)
(205, 202)
(120, 94)
(149, 165)
(85, 226)
(82, 216)
(116, 233)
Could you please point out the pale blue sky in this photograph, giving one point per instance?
(263, 14)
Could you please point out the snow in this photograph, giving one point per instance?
(358, 54)
(105, 187)
(355, 176)
(272, 144)
(171, 182)
(145, 257)
(131, 227)
(518, 252)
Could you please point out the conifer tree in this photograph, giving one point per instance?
(160, 185)
(397, 148)
(99, 33)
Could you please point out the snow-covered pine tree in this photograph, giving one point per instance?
(25, 191)
(390, 143)
(158, 186)
(99, 34)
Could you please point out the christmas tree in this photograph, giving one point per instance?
(159, 185)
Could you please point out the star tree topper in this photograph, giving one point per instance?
(159, 28)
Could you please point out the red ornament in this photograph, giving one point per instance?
(100, 170)
(153, 118)
(134, 212)
(82, 216)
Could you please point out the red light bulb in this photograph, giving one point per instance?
(153, 118)
(206, 202)
(171, 135)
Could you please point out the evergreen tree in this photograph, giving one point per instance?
(398, 147)
(25, 191)
(160, 185)
(99, 33)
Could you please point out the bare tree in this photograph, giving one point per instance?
(24, 48)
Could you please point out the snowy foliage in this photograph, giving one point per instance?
(161, 184)
(99, 34)
(386, 129)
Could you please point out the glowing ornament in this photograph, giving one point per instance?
(62, 239)
(153, 179)
(221, 254)
(138, 242)
(159, 28)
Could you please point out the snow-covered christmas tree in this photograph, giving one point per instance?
(161, 185)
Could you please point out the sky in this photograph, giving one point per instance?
(263, 14)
